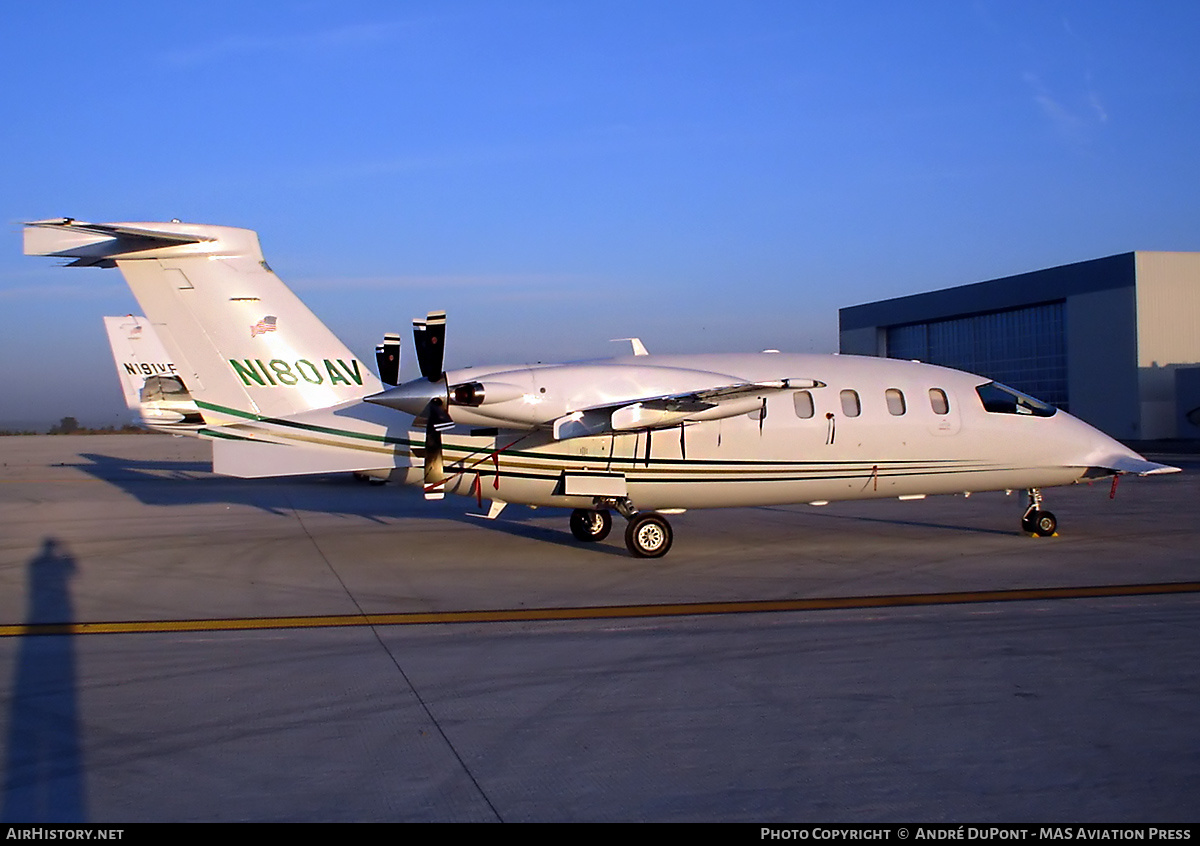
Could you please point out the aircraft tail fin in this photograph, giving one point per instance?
(244, 345)
(152, 388)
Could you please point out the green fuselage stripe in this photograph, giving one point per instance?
(748, 471)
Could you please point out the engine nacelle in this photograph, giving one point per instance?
(475, 394)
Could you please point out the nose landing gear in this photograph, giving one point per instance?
(1035, 521)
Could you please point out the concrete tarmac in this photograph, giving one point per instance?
(1045, 710)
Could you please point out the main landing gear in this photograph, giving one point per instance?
(590, 525)
(1035, 521)
(647, 535)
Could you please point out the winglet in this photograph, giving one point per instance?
(638, 347)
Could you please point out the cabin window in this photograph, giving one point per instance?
(938, 401)
(895, 401)
(803, 401)
(1001, 399)
(850, 404)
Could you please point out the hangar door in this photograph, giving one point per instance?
(1022, 347)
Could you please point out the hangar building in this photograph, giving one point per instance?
(1114, 341)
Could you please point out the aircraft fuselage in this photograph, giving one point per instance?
(919, 429)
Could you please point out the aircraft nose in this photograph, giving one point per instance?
(1102, 455)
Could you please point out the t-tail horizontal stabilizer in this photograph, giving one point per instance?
(100, 244)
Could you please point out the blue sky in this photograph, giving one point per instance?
(706, 175)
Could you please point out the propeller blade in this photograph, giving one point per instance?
(435, 478)
(387, 357)
(437, 415)
(429, 337)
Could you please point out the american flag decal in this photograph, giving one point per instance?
(267, 324)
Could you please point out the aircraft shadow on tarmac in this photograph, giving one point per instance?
(184, 483)
(916, 524)
(181, 483)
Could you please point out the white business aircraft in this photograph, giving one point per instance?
(642, 435)
(149, 381)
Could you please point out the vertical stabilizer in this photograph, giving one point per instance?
(149, 379)
(241, 341)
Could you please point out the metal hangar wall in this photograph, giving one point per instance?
(1115, 341)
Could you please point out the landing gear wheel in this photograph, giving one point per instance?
(1044, 524)
(1040, 523)
(648, 535)
(590, 525)
(1035, 520)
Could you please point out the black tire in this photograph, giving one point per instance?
(589, 525)
(648, 535)
(1029, 522)
(1044, 524)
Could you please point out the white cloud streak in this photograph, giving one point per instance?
(1071, 124)
(510, 281)
(326, 41)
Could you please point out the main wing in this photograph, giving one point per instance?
(662, 412)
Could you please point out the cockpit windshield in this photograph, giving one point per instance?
(1001, 399)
